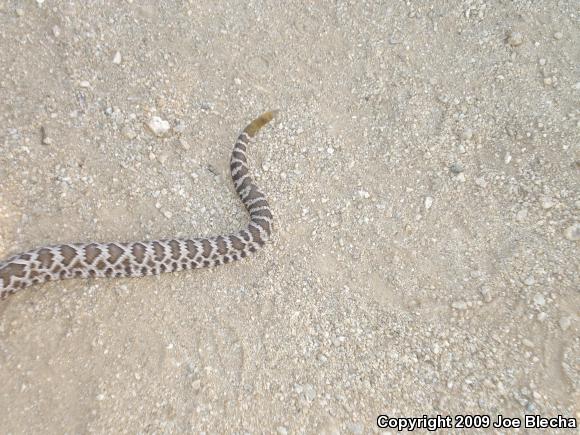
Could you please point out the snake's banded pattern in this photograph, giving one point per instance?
(134, 259)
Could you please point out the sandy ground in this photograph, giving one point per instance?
(424, 177)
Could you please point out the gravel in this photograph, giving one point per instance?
(364, 302)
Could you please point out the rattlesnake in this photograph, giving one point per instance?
(134, 259)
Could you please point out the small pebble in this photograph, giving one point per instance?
(184, 144)
(507, 158)
(485, 293)
(196, 385)
(356, 428)
(539, 299)
(542, 316)
(558, 35)
(282, 430)
(459, 305)
(309, 392)
(527, 343)
(44, 138)
(158, 126)
(117, 58)
(565, 323)
(128, 132)
(547, 202)
(515, 39)
(84, 84)
(179, 127)
(573, 232)
(428, 202)
(467, 134)
(529, 281)
(521, 215)
(56, 31)
(456, 168)
(163, 158)
(480, 181)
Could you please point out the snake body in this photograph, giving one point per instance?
(135, 259)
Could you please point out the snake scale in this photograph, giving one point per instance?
(135, 259)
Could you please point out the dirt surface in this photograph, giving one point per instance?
(424, 175)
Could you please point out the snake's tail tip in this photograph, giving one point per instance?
(269, 115)
(259, 122)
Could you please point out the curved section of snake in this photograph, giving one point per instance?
(135, 259)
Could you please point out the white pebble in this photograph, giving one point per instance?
(459, 305)
(467, 134)
(527, 343)
(184, 144)
(547, 202)
(428, 202)
(309, 392)
(117, 58)
(558, 35)
(480, 181)
(529, 281)
(507, 158)
(539, 299)
(565, 323)
(330, 150)
(573, 232)
(56, 31)
(84, 84)
(158, 126)
(521, 215)
(356, 428)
